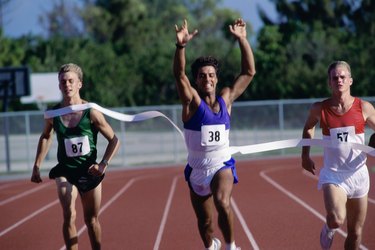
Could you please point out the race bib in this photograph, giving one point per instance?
(214, 135)
(77, 146)
(343, 134)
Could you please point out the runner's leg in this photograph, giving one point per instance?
(203, 210)
(222, 186)
(67, 194)
(356, 216)
(91, 201)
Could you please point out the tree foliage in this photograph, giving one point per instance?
(126, 47)
(312, 34)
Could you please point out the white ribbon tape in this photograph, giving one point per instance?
(291, 143)
(116, 115)
(248, 149)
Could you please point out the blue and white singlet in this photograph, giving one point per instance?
(207, 137)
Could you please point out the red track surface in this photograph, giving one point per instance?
(276, 205)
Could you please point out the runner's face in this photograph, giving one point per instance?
(207, 80)
(340, 79)
(69, 84)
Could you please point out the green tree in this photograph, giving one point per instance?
(313, 34)
(11, 52)
(142, 32)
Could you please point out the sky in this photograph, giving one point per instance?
(20, 17)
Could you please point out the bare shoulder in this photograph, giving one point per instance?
(49, 121)
(316, 107)
(96, 116)
(367, 106)
(225, 93)
(367, 110)
(314, 114)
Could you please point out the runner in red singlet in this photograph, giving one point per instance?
(344, 177)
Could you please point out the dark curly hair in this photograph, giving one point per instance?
(204, 61)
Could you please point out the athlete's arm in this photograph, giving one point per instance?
(230, 94)
(106, 130)
(308, 133)
(44, 144)
(369, 116)
(188, 95)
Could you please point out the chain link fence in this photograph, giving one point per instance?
(156, 141)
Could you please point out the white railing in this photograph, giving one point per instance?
(156, 141)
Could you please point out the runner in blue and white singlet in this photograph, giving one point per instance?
(207, 140)
(210, 171)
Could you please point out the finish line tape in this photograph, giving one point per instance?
(116, 115)
(247, 149)
(291, 143)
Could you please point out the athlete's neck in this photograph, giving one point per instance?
(342, 104)
(72, 101)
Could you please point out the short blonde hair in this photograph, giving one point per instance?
(71, 67)
(336, 64)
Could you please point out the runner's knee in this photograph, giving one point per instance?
(205, 223)
(223, 205)
(70, 216)
(91, 220)
(355, 231)
(355, 234)
(334, 220)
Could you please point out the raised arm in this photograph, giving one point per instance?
(185, 91)
(238, 30)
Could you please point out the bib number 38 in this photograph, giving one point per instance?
(213, 135)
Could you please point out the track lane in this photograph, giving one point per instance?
(132, 219)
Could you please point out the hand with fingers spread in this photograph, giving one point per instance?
(182, 34)
(238, 29)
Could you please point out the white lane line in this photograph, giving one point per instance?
(165, 214)
(372, 201)
(244, 225)
(110, 202)
(117, 195)
(263, 174)
(33, 190)
(29, 217)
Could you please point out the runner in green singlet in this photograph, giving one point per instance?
(77, 171)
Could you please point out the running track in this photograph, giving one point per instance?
(276, 205)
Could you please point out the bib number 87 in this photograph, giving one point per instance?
(77, 148)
